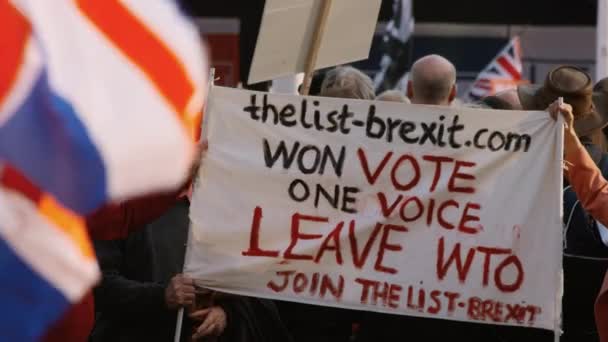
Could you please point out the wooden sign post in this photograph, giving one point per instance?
(313, 52)
(180, 313)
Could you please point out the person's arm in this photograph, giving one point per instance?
(592, 190)
(240, 318)
(118, 296)
(587, 181)
(121, 297)
(585, 178)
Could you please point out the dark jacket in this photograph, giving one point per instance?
(377, 327)
(585, 261)
(130, 299)
(313, 323)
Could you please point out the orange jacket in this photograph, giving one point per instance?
(592, 190)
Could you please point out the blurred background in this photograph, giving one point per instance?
(468, 33)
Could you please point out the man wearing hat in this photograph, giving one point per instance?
(585, 254)
(575, 86)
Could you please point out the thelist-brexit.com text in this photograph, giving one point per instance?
(442, 133)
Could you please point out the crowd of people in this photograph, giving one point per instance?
(140, 244)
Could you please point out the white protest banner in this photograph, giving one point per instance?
(288, 28)
(428, 211)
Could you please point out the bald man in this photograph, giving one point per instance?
(432, 81)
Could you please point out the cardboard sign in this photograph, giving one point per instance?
(287, 30)
(429, 211)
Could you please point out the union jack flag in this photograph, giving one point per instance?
(504, 72)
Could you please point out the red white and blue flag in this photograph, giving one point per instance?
(46, 258)
(99, 101)
(504, 72)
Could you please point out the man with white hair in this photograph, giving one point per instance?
(348, 83)
(432, 81)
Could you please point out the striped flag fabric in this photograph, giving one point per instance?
(99, 101)
(46, 258)
(504, 72)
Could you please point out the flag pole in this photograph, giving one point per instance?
(180, 313)
(311, 60)
(601, 61)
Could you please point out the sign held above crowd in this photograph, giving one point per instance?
(303, 35)
(381, 206)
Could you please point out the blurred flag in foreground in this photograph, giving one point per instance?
(99, 100)
(504, 72)
(46, 259)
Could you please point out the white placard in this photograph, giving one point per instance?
(441, 212)
(287, 30)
